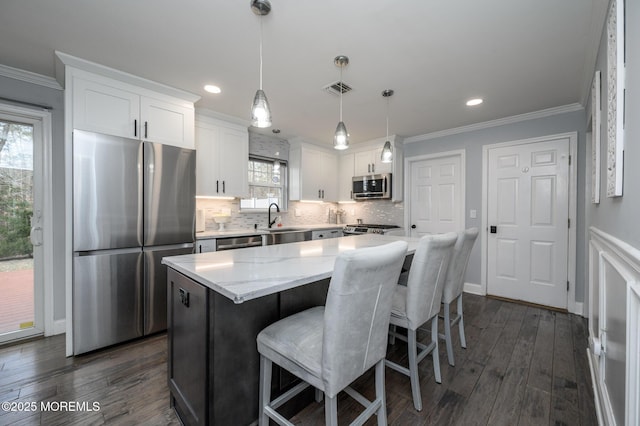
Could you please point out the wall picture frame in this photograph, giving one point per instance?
(615, 98)
(596, 117)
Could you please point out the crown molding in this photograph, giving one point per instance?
(209, 113)
(29, 77)
(125, 77)
(494, 123)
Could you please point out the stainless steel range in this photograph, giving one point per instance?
(367, 228)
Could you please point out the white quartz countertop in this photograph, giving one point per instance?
(253, 272)
(245, 232)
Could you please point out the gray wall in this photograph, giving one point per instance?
(32, 93)
(619, 216)
(473, 141)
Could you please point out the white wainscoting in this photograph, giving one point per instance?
(614, 319)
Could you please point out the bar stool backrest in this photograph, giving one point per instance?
(454, 283)
(357, 312)
(426, 277)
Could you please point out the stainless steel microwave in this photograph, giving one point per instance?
(372, 187)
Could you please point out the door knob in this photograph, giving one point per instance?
(413, 227)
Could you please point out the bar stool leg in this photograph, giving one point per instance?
(380, 394)
(434, 351)
(463, 341)
(265, 389)
(331, 410)
(447, 334)
(413, 369)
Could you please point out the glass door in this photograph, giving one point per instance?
(21, 283)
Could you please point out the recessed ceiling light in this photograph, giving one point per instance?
(212, 89)
(474, 102)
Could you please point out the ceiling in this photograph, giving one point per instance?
(520, 56)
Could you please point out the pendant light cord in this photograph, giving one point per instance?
(260, 52)
(387, 118)
(341, 90)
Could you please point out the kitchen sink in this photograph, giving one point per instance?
(287, 235)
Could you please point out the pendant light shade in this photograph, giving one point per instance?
(387, 152)
(341, 136)
(260, 110)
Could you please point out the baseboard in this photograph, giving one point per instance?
(576, 308)
(474, 288)
(59, 326)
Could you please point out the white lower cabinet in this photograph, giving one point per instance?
(222, 157)
(205, 245)
(326, 233)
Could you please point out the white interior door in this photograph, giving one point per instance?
(528, 214)
(436, 195)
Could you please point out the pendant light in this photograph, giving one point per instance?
(341, 137)
(387, 153)
(260, 111)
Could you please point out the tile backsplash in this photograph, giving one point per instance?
(378, 212)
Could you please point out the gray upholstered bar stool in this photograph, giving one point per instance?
(329, 347)
(453, 287)
(419, 302)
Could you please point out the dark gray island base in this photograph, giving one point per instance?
(213, 361)
(218, 303)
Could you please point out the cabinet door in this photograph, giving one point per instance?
(329, 177)
(345, 175)
(311, 174)
(188, 350)
(233, 155)
(166, 123)
(105, 109)
(362, 163)
(207, 160)
(379, 166)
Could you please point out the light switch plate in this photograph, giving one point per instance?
(297, 213)
(473, 213)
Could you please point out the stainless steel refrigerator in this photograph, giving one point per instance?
(133, 204)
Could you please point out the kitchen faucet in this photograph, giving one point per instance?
(271, 222)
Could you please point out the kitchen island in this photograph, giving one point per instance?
(220, 301)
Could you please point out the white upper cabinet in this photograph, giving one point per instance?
(345, 177)
(104, 107)
(222, 158)
(368, 162)
(104, 100)
(365, 160)
(166, 123)
(313, 174)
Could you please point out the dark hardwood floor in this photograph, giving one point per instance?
(523, 366)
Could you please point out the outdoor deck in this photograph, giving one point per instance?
(16, 287)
